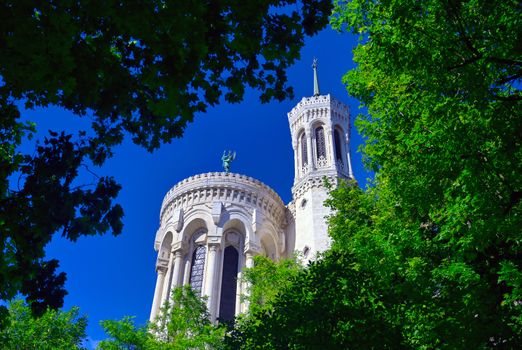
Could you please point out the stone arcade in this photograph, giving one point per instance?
(213, 224)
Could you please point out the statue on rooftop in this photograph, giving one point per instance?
(227, 160)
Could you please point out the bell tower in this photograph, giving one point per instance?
(320, 129)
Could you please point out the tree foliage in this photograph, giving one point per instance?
(430, 255)
(142, 68)
(267, 279)
(318, 309)
(441, 81)
(183, 323)
(54, 330)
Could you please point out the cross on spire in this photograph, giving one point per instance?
(316, 80)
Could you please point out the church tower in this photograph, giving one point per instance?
(212, 225)
(320, 129)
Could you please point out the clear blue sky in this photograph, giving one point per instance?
(110, 277)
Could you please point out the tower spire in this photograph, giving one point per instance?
(316, 80)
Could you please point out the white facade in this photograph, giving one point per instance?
(211, 225)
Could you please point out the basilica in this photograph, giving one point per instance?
(213, 224)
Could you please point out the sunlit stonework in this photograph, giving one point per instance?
(213, 224)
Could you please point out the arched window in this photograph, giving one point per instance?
(196, 271)
(304, 150)
(320, 143)
(227, 304)
(337, 143)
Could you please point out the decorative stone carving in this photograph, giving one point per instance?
(257, 220)
(162, 264)
(178, 219)
(322, 162)
(253, 248)
(217, 210)
(178, 247)
(305, 169)
(225, 188)
(214, 241)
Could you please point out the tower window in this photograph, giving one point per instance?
(304, 150)
(196, 272)
(337, 143)
(227, 304)
(320, 143)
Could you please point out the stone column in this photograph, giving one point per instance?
(249, 259)
(178, 265)
(166, 285)
(249, 263)
(161, 271)
(240, 283)
(329, 133)
(311, 162)
(186, 274)
(348, 157)
(210, 278)
(296, 162)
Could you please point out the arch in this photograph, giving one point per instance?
(235, 223)
(165, 247)
(227, 302)
(234, 238)
(165, 260)
(239, 220)
(268, 238)
(269, 245)
(195, 224)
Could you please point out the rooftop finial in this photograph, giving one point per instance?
(316, 80)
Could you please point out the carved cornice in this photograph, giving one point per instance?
(162, 265)
(227, 188)
(318, 107)
(213, 246)
(252, 248)
(161, 270)
(313, 181)
(178, 247)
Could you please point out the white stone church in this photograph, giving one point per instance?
(213, 224)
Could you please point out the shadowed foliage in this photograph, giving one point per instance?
(429, 256)
(137, 68)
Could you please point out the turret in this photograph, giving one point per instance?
(320, 129)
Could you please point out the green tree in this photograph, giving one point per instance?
(441, 83)
(183, 323)
(267, 279)
(54, 330)
(330, 304)
(430, 255)
(141, 68)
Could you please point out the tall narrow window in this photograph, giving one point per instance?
(337, 142)
(304, 150)
(320, 144)
(227, 304)
(196, 272)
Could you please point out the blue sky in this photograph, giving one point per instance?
(111, 277)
